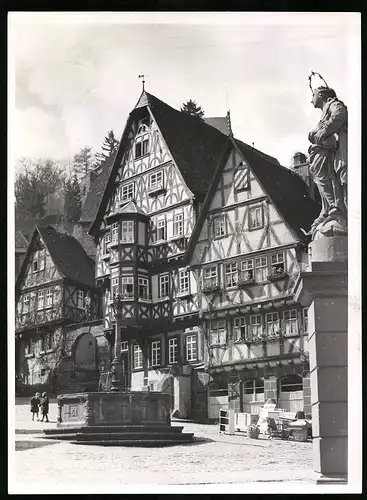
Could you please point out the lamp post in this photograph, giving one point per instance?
(116, 363)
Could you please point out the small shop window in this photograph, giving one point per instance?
(291, 383)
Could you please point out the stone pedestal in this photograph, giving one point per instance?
(324, 290)
(117, 419)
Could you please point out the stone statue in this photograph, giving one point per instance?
(328, 161)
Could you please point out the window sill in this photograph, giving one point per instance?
(142, 156)
(158, 243)
(182, 295)
(164, 299)
(255, 228)
(220, 237)
(223, 344)
(177, 237)
(27, 356)
(127, 242)
(113, 245)
(144, 301)
(105, 256)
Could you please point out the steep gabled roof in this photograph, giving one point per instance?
(67, 254)
(20, 240)
(284, 187)
(94, 195)
(195, 146)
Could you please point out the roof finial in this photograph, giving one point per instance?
(143, 80)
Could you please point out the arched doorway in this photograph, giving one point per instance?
(85, 356)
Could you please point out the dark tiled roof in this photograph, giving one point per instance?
(20, 240)
(285, 188)
(27, 226)
(195, 146)
(94, 195)
(68, 255)
(131, 208)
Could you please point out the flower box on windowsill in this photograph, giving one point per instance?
(156, 190)
(242, 282)
(277, 276)
(127, 297)
(210, 287)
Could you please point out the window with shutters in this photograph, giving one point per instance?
(242, 178)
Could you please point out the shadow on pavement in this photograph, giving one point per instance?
(26, 445)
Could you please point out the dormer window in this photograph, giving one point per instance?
(142, 141)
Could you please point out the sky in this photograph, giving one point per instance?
(75, 76)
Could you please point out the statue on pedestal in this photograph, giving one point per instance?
(328, 161)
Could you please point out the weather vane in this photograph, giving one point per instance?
(143, 80)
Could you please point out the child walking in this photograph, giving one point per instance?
(44, 405)
(35, 401)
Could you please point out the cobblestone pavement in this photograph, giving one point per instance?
(217, 459)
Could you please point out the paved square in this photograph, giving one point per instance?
(216, 459)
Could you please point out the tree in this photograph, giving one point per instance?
(35, 182)
(72, 200)
(191, 108)
(83, 161)
(109, 148)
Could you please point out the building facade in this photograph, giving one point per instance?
(55, 290)
(202, 237)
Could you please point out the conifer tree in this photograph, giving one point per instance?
(191, 108)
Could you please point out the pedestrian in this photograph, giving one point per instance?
(44, 404)
(35, 401)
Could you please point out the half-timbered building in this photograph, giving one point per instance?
(56, 289)
(202, 237)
